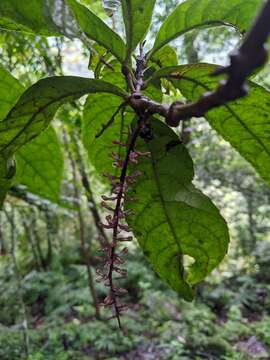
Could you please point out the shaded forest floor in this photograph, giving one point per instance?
(230, 318)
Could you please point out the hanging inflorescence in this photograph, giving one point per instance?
(116, 221)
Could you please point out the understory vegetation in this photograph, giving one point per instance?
(230, 319)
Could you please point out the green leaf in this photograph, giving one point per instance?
(37, 106)
(33, 113)
(165, 57)
(137, 16)
(31, 16)
(97, 51)
(153, 90)
(59, 17)
(100, 148)
(10, 91)
(244, 123)
(171, 217)
(193, 14)
(39, 165)
(97, 30)
(115, 76)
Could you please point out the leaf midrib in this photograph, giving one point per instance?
(163, 203)
(31, 120)
(180, 33)
(40, 110)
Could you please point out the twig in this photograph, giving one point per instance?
(20, 192)
(129, 76)
(140, 67)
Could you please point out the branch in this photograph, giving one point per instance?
(251, 55)
(20, 192)
(141, 104)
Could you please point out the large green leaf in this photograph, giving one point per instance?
(39, 165)
(193, 14)
(97, 30)
(100, 148)
(10, 91)
(59, 17)
(171, 217)
(244, 123)
(32, 16)
(137, 16)
(37, 106)
(34, 111)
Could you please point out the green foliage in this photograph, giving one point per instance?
(244, 130)
(55, 18)
(262, 330)
(34, 111)
(44, 280)
(10, 347)
(63, 327)
(39, 165)
(100, 144)
(37, 106)
(30, 16)
(10, 91)
(137, 16)
(166, 56)
(192, 14)
(97, 30)
(30, 170)
(185, 222)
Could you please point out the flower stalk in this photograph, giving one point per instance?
(115, 221)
